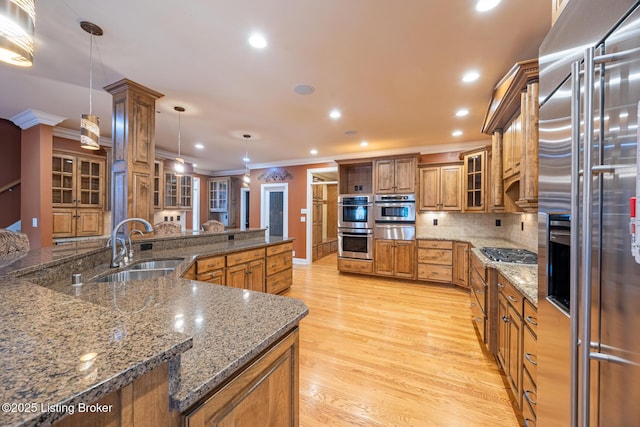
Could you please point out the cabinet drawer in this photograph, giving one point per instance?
(279, 281)
(531, 317)
(435, 273)
(477, 265)
(278, 249)
(478, 288)
(215, 276)
(355, 266)
(204, 265)
(529, 392)
(435, 244)
(276, 263)
(242, 257)
(530, 353)
(513, 296)
(435, 256)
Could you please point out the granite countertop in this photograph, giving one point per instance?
(523, 276)
(132, 326)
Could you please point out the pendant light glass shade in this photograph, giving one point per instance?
(17, 27)
(90, 132)
(90, 124)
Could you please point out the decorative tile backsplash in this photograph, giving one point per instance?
(521, 229)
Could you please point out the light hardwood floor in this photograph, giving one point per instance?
(376, 352)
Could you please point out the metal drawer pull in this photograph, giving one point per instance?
(526, 395)
(479, 291)
(529, 423)
(500, 285)
(512, 299)
(530, 320)
(505, 319)
(528, 357)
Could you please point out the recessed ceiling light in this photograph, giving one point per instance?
(335, 114)
(462, 112)
(484, 5)
(258, 41)
(313, 151)
(199, 146)
(364, 143)
(304, 89)
(350, 132)
(470, 76)
(456, 133)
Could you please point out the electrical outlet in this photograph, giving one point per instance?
(293, 253)
(435, 221)
(498, 222)
(34, 222)
(522, 226)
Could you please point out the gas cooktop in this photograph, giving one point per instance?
(520, 256)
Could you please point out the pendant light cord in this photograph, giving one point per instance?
(91, 74)
(179, 128)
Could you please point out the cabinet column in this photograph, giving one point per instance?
(36, 151)
(497, 183)
(133, 133)
(528, 181)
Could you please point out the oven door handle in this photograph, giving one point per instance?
(367, 234)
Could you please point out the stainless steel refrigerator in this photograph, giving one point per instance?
(588, 370)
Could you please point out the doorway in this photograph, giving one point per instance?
(275, 208)
(322, 211)
(245, 208)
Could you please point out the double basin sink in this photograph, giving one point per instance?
(142, 270)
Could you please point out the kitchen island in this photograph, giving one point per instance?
(64, 345)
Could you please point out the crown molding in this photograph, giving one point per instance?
(29, 118)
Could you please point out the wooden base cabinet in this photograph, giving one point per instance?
(263, 394)
(435, 260)
(461, 264)
(394, 258)
(279, 268)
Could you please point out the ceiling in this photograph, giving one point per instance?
(393, 68)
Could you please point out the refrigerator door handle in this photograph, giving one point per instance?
(613, 359)
(587, 240)
(573, 256)
(602, 169)
(617, 56)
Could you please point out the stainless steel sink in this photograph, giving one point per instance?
(137, 274)
(157, 264)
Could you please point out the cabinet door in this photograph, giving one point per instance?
(90, 183)
(63, 181)
(405, 175)
(89, 222)
(461, 264)
(404, 258)
(237, 276)
(170, 190)
(429, 189)
(383, 257)
(255, 276)
(503, 328)
(216, 277)
(385, 176)
(186, 191)
(157, 184)
(514, 351)
(450, 188)
(263, 394)
(64, 222)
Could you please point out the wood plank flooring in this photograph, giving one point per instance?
(376, 352)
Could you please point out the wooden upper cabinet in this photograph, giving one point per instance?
(440, 188)
(476, 179)
(395, 175)
(512, 120)
(178, 191)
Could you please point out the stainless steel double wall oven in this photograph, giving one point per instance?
(355, 226)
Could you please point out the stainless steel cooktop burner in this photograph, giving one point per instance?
(520, 256)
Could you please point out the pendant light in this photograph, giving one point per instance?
(179, 165)
(90, 124)
(17, 27)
